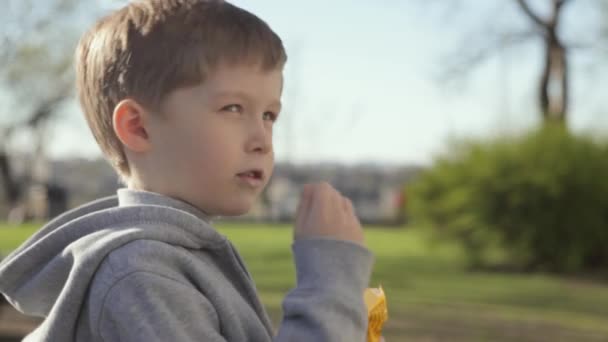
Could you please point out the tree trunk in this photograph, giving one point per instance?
(554, 89)
(554, 92)
(11, 186)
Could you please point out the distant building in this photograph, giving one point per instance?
(374, 190)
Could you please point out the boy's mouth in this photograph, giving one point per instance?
(253, 178)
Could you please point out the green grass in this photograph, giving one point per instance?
(432, 296)
(11, 236)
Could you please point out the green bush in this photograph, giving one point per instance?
(541, 199)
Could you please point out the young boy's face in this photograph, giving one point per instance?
(212, 144)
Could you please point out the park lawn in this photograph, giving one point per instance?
(432, 296)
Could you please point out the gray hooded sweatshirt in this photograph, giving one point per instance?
(144, 267)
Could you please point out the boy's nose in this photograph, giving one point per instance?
(259, 140)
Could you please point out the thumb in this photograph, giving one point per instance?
(304, 205)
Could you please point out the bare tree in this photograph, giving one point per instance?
(553, 87)
(37, 41)
(553, 104)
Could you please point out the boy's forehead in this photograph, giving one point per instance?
(244, 81)
(246, 95)
(241, 70)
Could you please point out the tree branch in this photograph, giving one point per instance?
(523, 4)
(483, 53)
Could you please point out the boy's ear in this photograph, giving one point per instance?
(129, 120)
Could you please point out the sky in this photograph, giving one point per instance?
(364, 85)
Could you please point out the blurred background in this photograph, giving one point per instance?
(472, 137)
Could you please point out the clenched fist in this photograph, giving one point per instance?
(324, 212)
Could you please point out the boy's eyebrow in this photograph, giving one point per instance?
(243, 95)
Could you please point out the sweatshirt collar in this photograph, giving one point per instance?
(130, 197)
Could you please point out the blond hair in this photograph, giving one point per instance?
(149, 48)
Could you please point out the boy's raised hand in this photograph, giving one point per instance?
(324, 213)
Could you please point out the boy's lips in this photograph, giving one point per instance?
(253, 177)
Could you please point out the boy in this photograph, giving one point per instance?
(182, 96)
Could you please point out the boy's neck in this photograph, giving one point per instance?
(131, 196)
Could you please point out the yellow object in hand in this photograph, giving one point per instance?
(377, 312)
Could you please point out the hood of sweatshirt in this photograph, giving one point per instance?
(52, 270)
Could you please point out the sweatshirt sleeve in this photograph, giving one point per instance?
(327, 304)
(167, 317)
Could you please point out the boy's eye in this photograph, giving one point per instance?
(270, 116)
(234, 108)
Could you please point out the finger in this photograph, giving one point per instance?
(320, 198)
(347, 205)
(334, 199)
(304, 205)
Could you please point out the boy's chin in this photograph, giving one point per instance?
(236, 209)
